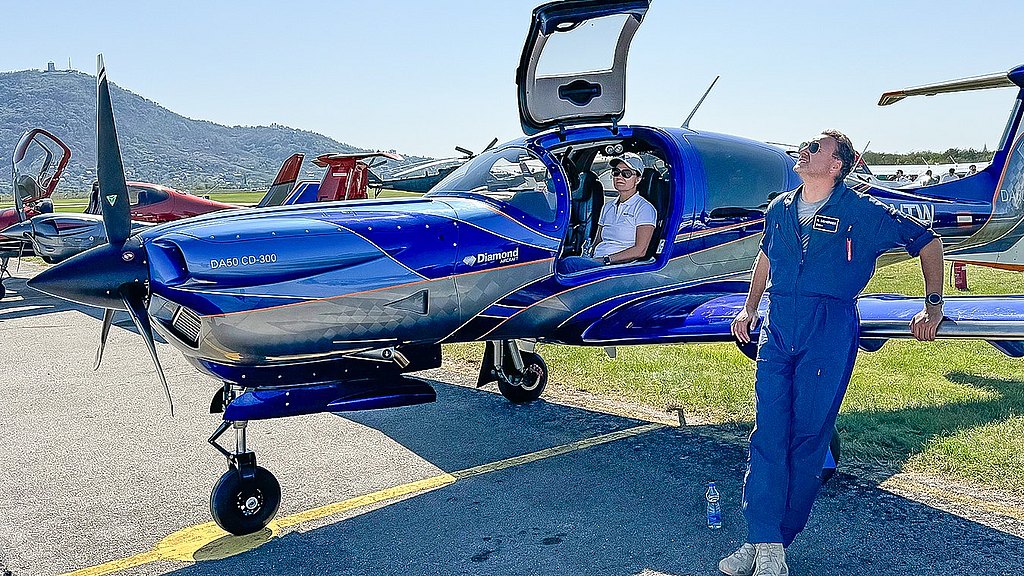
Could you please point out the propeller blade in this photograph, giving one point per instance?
(113, 189)
(108, 319)
(21, 250)
(136, 306)
(489, 146)
(462, 150)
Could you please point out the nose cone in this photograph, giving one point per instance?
(97, 277)
(20, 231)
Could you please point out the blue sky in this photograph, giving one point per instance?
(423, 77)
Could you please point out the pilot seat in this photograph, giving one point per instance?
(654, 189)
(586, 203)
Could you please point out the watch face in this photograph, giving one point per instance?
(934, 299)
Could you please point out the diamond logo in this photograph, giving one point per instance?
(111, 198)
(469, 260)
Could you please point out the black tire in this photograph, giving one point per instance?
(526, 387)
(48, 260)
(835, 448)
(3, 291)
(244, 507)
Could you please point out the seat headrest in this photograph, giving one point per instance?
(585, 186)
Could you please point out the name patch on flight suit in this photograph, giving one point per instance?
(826, 224)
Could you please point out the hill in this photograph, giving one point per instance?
(157, 145)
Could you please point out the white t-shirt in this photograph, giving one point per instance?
(619, 221)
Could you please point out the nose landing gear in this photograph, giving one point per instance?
(246, 498)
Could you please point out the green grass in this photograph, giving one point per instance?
(953, 408)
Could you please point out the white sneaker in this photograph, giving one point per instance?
(739, 563)
(770, 560)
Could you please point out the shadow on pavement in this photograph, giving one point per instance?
(627, 507)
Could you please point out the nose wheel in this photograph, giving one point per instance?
(246, 497)
(245, 505)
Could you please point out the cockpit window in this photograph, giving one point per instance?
(512, 176)
(141, 196)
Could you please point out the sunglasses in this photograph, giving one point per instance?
(812, 147)
(625, 172)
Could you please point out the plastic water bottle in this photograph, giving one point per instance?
(714, 506)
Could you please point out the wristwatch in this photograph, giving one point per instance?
(933, 299)
(606, 260)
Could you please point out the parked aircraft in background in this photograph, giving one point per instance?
(423, 176)
(43, 156)
(305, 309)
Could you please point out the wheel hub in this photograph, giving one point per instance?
(249, 503)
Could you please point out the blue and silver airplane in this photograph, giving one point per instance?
(326, 308)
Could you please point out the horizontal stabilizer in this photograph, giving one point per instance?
(997, 80)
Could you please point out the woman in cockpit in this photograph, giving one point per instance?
(626, 226)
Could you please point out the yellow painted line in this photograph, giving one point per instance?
(208, 542)
(118, 565)
(424, 485)
(555, 451)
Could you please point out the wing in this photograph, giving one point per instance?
(999, 320)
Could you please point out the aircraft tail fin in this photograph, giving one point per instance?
(283, 183)
(1000, 241)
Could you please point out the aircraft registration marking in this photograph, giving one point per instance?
(184, 545)
(249, 260)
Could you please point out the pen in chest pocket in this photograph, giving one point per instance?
(849, 245)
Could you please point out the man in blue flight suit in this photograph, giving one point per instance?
(818, 252)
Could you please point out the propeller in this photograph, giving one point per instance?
(114, 276)
(470, 154)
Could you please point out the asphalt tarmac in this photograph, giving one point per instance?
(98, 478)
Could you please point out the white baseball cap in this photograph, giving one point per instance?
(631, 160)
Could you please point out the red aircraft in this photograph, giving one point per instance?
(44, 156)
(155, 203)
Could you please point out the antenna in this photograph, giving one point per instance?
(686, 123)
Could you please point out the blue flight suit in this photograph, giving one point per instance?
(808, 345)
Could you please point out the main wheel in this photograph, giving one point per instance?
(525, 387)
(245, 506)
(832, 458)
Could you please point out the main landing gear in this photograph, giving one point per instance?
(521, 374)
(3, 273)
(246, 497)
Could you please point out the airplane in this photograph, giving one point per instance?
(39, 160)
(58, 236)
(329, 308)
(423, 176)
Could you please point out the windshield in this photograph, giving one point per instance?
(512, 176)
(36, 162)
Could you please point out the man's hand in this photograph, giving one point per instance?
(741, 325)
(925, 323)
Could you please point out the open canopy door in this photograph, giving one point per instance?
(573, 67)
